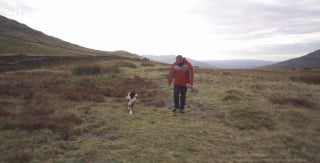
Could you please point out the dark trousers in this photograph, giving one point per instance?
(179, 95)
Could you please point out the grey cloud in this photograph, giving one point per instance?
(6, 8)
(284, 49)
(250, 15)
(302, 48)
(17, 7)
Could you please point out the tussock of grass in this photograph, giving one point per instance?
(94, 69)
(231, 98)
(234, 91)
(87, 70)
(232, 94)
(249, 119)
(125, 64)
(298, 102)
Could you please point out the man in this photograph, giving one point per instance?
(182, 73)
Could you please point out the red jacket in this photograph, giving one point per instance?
(182, 74)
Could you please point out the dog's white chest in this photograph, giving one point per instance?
(131, 97)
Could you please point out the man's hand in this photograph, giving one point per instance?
(193, 90)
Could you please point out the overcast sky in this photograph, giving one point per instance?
(200, 29)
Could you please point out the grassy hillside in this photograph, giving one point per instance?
(77, 112)
(17, 38)
(311, 60)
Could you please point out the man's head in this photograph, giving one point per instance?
(179, 59)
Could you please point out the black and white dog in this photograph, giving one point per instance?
(132, 97)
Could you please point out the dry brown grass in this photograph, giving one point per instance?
(64, 117)
(83, 91)
(310, 78)
(231, 97)
(4, 113)
(20, 157)
(250, 119)
(298, 102)
(232, 94)
(234, 91)
(43, 101)
(148, 91)
(92, 69)
(127, 64)
(63, 122)
(147, 64)
(47, 96)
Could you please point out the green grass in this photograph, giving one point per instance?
(56, 115)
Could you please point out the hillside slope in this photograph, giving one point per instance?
(17, 38)
(311, 60)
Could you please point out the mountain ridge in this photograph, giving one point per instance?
(239, 63)
(223, 64)
(311, 60)
(17, 38)
(169, 59)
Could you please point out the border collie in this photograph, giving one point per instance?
(131, 97)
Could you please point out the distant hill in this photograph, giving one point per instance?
(239, 64)
(223, 64)
(171, 59)
(17, 38)
(311, 60)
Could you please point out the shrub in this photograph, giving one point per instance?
(86, 70)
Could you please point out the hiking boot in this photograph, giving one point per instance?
(175, 109)
(181, 111)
